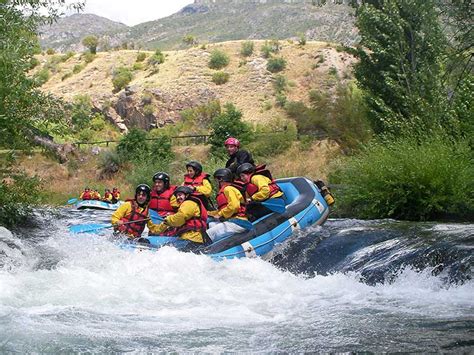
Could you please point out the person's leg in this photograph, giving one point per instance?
(256, 211)
(221, 230)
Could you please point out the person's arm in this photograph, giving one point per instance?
(243, 157)
(262, 183)
(233, 202)
(121, 212)
(174, 202)
(186, 211)
(205, 188)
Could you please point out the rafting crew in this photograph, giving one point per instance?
(230, 217)
(259, 187)
(132, 216)
(189, 223)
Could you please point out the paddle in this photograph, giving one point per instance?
(92, 227)
(71, 201)
(155, 216)
(275, 204)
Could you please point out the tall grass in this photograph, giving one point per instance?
(406, 179)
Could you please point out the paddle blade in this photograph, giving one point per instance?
(88, 228)
(71, 201)
(276, 205)
(155, 217)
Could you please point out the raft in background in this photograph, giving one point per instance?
(305, 206)
(98, 205)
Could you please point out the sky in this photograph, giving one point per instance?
(132, 12)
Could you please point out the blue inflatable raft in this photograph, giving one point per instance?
(98, 205)
(304, 206)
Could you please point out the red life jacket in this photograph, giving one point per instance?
(116, 194)
(222, 201)
(197, 181)
(195, 223)
(107, 195)
(252, 189)
(86, 195)
(135, 229)
(160, 202)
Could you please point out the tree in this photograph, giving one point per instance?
(400, 66)
(91, 42)
(26, 114)
(228, 124)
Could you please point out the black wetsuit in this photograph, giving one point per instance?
(238, 158)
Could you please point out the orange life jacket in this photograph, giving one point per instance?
(160, 202)
(195, 223)
(222, 201)
(252, 189)
(197, 181)
(135, 229)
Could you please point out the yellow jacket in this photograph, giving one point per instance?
(263, 192)
(234, 201)
(187, 210)
(205, 188)
(126, 209)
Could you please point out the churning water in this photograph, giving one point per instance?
(350, 285)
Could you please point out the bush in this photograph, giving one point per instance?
(81, 111)
(88, 57)
(66, 56)
(275, 65)
(34, 62)
(41, 77)
(228, 124)
(97, 122)
(302, 39)
(218, 59)
(133, 146)
(220, 77)
(160, 149)
(78, 68)
(66, 76)
(270, 47)
(121, 77)
(50, 51)
(91, 43)
(137, 66)
(407, 179)
(273, 139)
(246, 49)
(21, 191)
(109, 164)
(141, 57)
(148, 110)
(280, 83)
(157, 58)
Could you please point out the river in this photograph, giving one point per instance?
(348, 286)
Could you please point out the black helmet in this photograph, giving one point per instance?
(245, 168)
(163, 177)
(143, 188)
(183, 189)
(223, 174)
(196, 166)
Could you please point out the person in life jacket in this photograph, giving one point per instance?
(107, 196)
(230, 218)
(95, 195)
(237, 156)
(86, 194)
(190, 221)
(199, 182)
(162, 199)
(259, 186)
(132, 217)
(115, 195)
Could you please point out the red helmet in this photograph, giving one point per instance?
(232, 141)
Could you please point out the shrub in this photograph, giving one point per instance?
(34, 62)
(273, 139)
(50, 51)
(88, 57)
(78, 68)
(228, 124)
(157, 58)
(66, 76)
(218, 59)
(91, 43)
(66, 56)
(220, 77)
(141, 57)
(276, 65)
(121, 77)
(85, 135)
(280, 100)
(148, 110)
(301, 39)
(41, 77)
(81, 111)
(270, 47)
(189, 40)
(21, 191)
(407, 179)
(97, 123)
(160, 149)
(247, 49)
(280, 83)
(137, 66)
(109, 164)
(133, 146)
